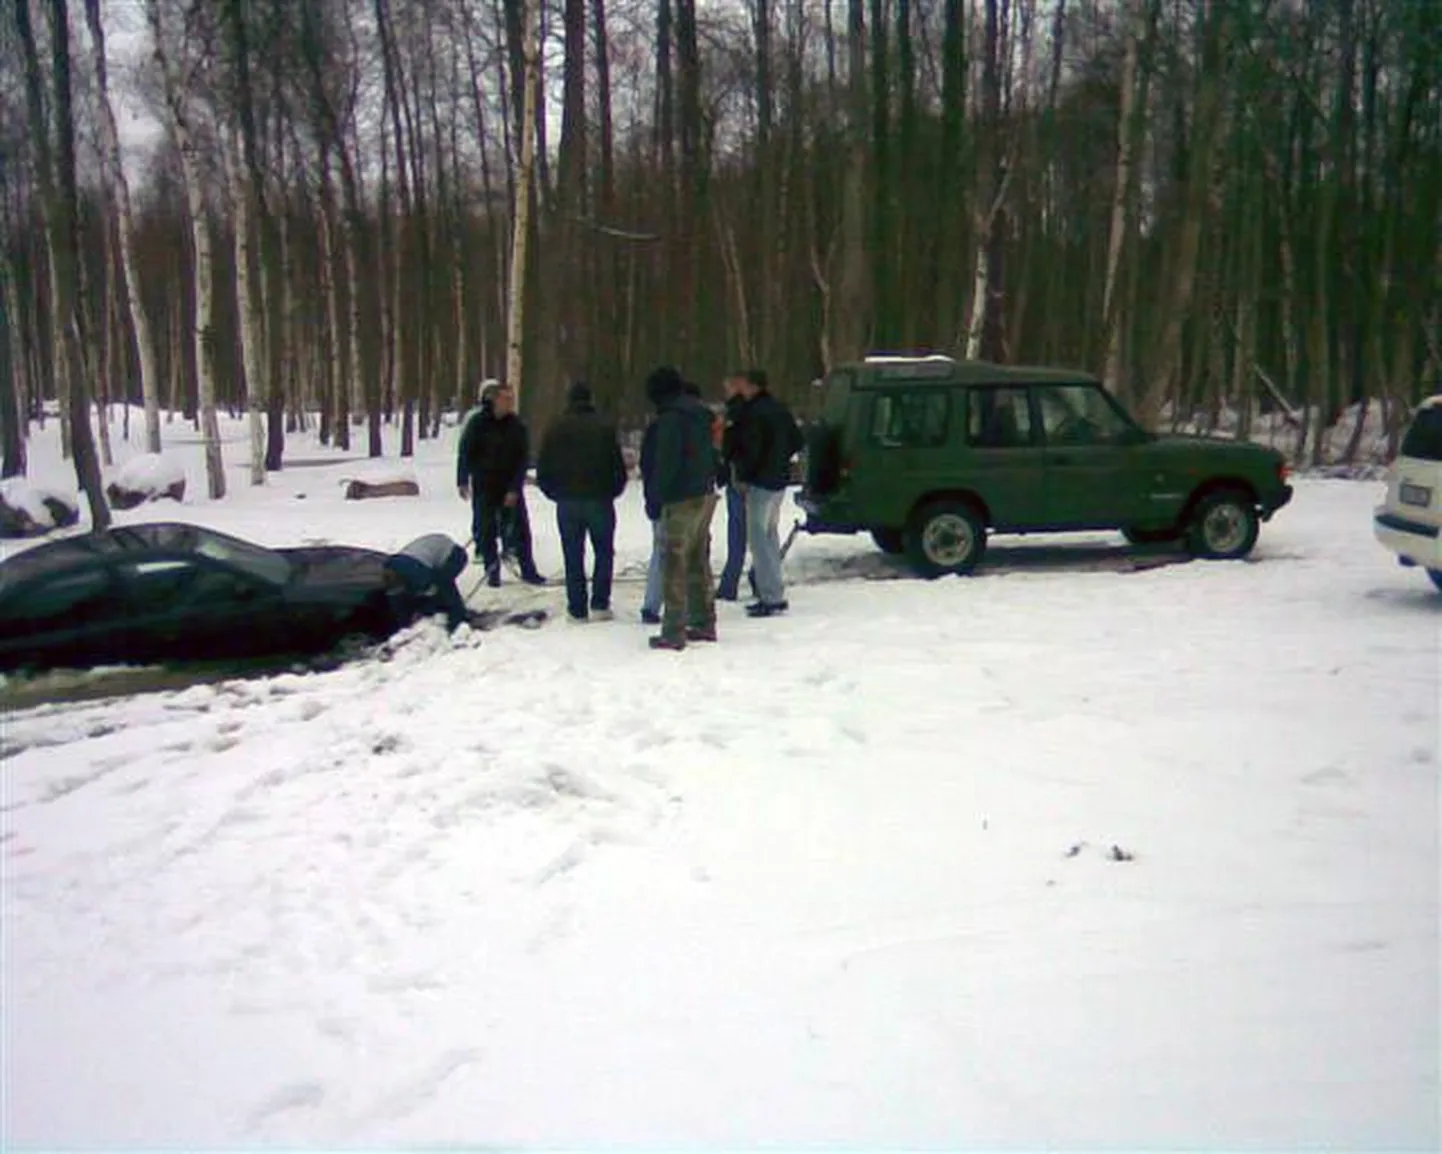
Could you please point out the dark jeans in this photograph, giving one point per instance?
(491, 521)
(729, 585)
(576, 521)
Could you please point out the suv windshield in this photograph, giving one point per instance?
(1423, 441)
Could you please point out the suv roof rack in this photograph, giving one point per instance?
(907, 358)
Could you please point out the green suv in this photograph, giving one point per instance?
(930, 453)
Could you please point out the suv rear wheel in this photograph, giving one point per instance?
(1224, 526)
(945, 537)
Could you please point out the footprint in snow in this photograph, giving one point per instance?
(293, 1096)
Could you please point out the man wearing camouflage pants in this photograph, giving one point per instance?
(680, 484)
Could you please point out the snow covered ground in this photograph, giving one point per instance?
(1055, 856)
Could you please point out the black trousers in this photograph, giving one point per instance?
(492, 523)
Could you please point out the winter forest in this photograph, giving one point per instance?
(354, 210)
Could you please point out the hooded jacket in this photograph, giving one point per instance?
(580, 455)
(681, 463)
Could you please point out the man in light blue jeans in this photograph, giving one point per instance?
(764, 442)
(763, 516)
(651, 602)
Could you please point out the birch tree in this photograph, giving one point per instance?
(125, 219)
(168, 55)
(521, 225)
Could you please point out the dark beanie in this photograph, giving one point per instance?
(663, 384)
(579, 393)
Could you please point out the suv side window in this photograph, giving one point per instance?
(1079, 415)
(910, 420)
(998, 418)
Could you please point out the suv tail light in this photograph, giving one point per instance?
(1284, 471)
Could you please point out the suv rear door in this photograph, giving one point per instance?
(902, 449)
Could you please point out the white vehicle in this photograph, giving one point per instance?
(1409, 522)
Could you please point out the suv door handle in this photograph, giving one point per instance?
(1061, 459)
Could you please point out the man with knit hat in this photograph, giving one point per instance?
(491, 462)
(581, 469)
(680, 483)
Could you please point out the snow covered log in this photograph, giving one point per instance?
(26, 511)
(148, 477)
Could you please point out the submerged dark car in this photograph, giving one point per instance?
(166, 592)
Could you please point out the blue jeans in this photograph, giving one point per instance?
(730, 581)
(763, 513)
(651, 602)
(576, 521)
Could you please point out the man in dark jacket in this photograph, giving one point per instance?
(581, 469)
(491, 473)
(680, 482)
(765, 439)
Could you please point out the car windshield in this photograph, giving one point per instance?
(1423, 441)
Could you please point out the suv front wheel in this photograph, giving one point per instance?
(945, 537)
(1223, 526)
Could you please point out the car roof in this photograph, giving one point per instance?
(54, 556)
(938, 369)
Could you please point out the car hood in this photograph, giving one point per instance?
(334, 571)
(1215, 447)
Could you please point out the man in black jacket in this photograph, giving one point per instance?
(680, 482)
(765, 438)
(581, 469)
(491, 473)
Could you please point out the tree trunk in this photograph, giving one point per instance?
(202, 263)
(251, 355)
(59, 200)
(12, 407)
(1207, 122)
(850, 307)
(1121, 200)
(985, 327)
(120, 189)
(521, 224)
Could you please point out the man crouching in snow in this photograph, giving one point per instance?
(426, 570)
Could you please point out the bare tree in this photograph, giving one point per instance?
(125, 219)
(59, 199)
(515, 297)
(168, 56)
